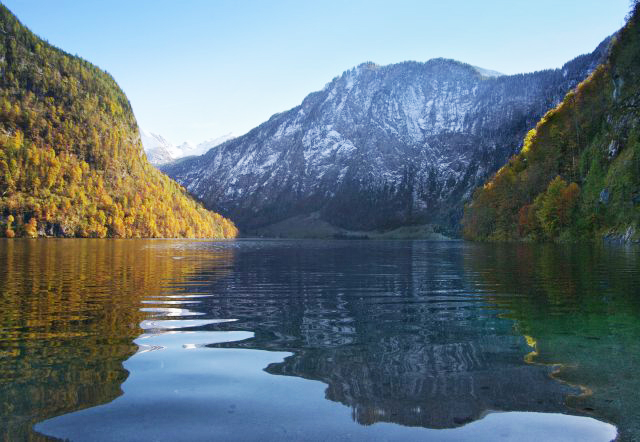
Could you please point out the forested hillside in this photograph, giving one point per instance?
(71, 161)
(578, 174)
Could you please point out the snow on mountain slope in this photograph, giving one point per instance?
(187, 149)
(380, 146)
(487, 72)
(158, 150)
(161, 152)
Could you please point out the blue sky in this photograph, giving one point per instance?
(197, 69)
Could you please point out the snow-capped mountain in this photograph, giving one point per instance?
(160, 151)
(380, 146)
(186, 149)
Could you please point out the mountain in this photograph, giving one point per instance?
(578, 173)
(160, 151)
(205, 146)
(378, 148)
(71, 161)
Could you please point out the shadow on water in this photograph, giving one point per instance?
(70, 313)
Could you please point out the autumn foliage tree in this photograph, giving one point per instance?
(71, 161)
(577, 175)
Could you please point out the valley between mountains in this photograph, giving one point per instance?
(131, 312)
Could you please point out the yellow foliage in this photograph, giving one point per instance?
(31, 229)
(70, 155)
(528, 140)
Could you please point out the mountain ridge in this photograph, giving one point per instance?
(379, 147)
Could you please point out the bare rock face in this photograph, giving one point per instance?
(380, 146)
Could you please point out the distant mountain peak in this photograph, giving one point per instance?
(161, 152)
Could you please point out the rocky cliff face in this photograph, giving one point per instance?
(380, 146)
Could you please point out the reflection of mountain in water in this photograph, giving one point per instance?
(70, 312)
(392, 328)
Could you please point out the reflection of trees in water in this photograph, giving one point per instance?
(393, 329)
(581, 305)
(70, 311)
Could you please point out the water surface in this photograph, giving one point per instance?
(313, 340)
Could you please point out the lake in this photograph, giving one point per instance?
(316, 340)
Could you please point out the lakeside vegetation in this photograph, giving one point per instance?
(71, 161)
(577, 176)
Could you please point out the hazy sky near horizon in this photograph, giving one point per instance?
(198, 69)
